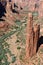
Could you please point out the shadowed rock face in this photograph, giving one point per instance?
(6, 5)
(40, 42)
(9, 0)
(2, 10)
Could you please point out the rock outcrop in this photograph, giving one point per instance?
(4, 26)
(32, 36)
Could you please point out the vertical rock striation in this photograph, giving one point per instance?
(29, 36)
(32, 37)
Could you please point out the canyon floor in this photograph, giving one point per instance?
(19, 48)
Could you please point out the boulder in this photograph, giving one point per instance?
(4, 26)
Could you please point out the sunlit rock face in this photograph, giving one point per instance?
(40, 10)
(29, 3)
